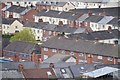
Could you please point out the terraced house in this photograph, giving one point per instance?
(22, 51)
(84, 51)
(57, 17)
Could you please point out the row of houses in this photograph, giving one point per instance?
(28, 70)
(78, 4)
(105, 36)
(95, 22)
(44, 30)
(41, 30)
(82, 51)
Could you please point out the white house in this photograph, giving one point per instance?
(55, 17)
(11, 26)
(62, 6)
(82, 4)
(36, 29)
(24, 3)
(15, 11)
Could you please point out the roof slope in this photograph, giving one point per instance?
(82, 46)
(22, 47)
(16, 9)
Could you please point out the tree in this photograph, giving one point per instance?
(24, 35)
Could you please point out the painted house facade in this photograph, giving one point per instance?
(11, 26)
(95, 4)
(44, 31)
(54, 5)
(24, 3)
(57, 17)
(15, 11)
(84, 51)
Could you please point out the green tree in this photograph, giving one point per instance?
(24, 35)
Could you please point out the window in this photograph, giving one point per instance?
(80, 54)
(65, 8)
(27, 55)
(50, 32)
(99, 57)
(22, 55)
(92, 25)
(71, 53)
(45, 49)
(54, 50)
(29, 2)
(38, 31)
(63, 52)
(25, 2)
(16, 27)
(103, 26)
(109, 58)
(11, 54)
(6, 53)
(17, 2)
(38, 37)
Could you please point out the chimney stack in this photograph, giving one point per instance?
(51, 65)
(20, 67)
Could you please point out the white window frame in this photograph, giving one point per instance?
(71, 53)
(100, 57)
(45, 49)
(110, 59)
(54, 50)
(81, 54)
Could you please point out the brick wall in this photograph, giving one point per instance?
(89, 58)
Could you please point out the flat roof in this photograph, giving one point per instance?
(100, 72)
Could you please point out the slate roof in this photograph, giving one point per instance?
(82, 46)
(57, 4)
(79, 69)
(59, 14)
(105, 20)
(114, 22)
(38, 73)
(49, 27)
(97, 35)
(14, 65)
(52, 27)
(57, 58)
(113, 11)
(68, 74)
(8, 21)
(11, 74)
(38, 25)
(16, 9)
(22, 47)
(83, 17)
(94, 18)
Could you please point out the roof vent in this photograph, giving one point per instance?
(60, 12)
(59, 37)
(82, 68)
(73, 14)
(46, 10)
(49, 73)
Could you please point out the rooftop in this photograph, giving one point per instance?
(82, 46)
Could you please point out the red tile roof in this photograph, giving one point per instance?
(38, 73)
